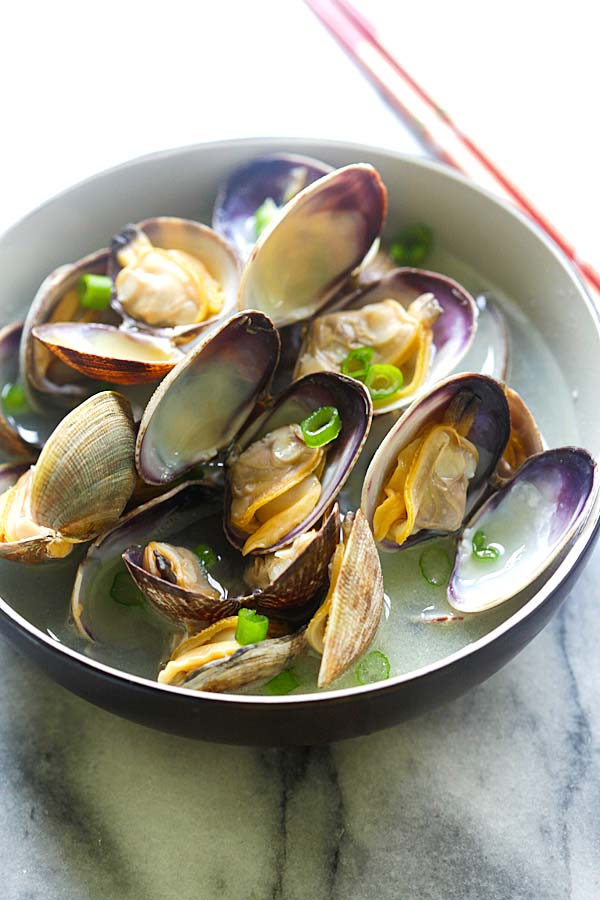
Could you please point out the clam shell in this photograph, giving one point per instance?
(352, 400)
(11, 442)
(200, 241)
(532, 521)
(204, 401)
(356, 602)
(489, 432)
(256, 662)
(106, 353)
(279, 176)
(523, 429)
(302, 258)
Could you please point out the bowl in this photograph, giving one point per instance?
(505, 249)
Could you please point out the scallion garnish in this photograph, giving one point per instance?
(358, 362)
(481, 548)
(321, 427)
(412, 246)
(14, 401)
(383, 381)
(374, 667)
(206, 555)
(284, 683)
(435, 565)
(251, 628)
(264, 215)
(95, 291)
(125, 591)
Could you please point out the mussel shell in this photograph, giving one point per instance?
(302, 258)
(205, 400)
(556, 489)
(489, 433)
(301, 398)
(11, 442)
(106, 353)
(247, 188)
(200, 241)
(292, 590)
(52, 303)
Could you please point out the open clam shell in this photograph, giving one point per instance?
(324, 233)
(530, 522)
(205, 400)
(452, 333)
(525, 439)
(353, 403)
(278, 177)
(294, 587)
(106, 353)
(200, 242)
(12, 442)
(489, 433)
(57, 301)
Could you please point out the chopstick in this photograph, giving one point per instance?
(425, 118)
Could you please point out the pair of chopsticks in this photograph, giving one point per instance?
(434, 127)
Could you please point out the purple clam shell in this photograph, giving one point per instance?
(250, 185)
(566, 478)
(489, 432)
(292, 406)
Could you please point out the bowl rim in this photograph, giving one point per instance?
(585, 538)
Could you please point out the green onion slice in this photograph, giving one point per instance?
(358, 362)
(412, 246)
(435, 565)
(481, 548)
(125, 591)
(251, 628)
(321, 427)
(95, 291)
(284, 683)
(264, 215)
(374, 667)
(14, 400)
(383, 381)
(206, 555)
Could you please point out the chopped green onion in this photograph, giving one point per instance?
(251, 628)
(357, 363)
(14, 400)
(206, 555)
(264, 215)
(383, 381)
(412, 246)
(321, 427)
(481, 548)
(94, 291)
(374, 667)
(435, 565)
(125, 591)
(284, 683)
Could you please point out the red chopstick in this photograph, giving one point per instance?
(445, 140)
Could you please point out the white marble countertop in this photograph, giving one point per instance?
(493, 797)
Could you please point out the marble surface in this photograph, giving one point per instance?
(493, 797)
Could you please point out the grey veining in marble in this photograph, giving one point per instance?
(494, 797)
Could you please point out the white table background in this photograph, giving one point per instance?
(496, 796)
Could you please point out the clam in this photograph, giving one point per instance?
(522, 529)
(12, 439)
(346, 622)
(77, 488)
(525, 439)
(436, 461)
(420, 322)
(322, 235)
(265, 184)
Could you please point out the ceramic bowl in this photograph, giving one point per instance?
(504, 248)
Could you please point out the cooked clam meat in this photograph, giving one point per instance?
(428, 486)
(274, 486)
(395, 335)
(17, 522)
(212, 643)
(165, 287)
(179, 566)
(264, 571)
